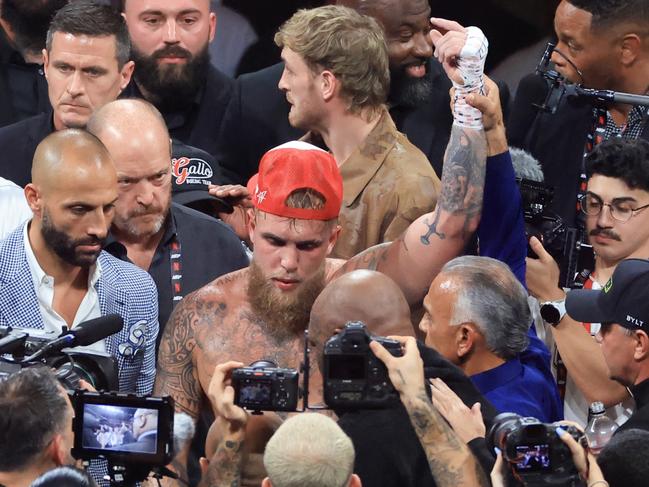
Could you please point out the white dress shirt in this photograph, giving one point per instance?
(13, 207)
(44, 287)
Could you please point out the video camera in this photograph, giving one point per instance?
(134, 434)
(537, 455)
(353, 377)
(28, 347)
(565, 244)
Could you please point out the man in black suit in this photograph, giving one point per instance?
(86, 65)
(173, 70)
(257, 116)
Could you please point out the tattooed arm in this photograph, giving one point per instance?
(176, 375)
(417, 256)
(451, 462)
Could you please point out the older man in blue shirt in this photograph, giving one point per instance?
(478, 317)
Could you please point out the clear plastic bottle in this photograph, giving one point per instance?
(600, 428)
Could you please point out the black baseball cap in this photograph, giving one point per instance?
(192, 171)
(624, 299)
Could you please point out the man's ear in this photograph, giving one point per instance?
(630, 49)
(56, 451)
(212, 26)
(333, 238)
(46, 62)
(33, 197)
(328, 85)
(126, 74)
(465, 339)
(251, 224)
(641, 350)
(266, 483)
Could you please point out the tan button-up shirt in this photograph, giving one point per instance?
(387, 184)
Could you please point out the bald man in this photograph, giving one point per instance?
(377, 301)
(180, 248)
(53, 272)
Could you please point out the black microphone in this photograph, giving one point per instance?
(85, 333)
(91, 331)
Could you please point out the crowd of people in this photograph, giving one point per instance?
(367, 177)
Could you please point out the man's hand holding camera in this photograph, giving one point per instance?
(221, 395)
(406, 372)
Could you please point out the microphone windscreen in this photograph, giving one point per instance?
(526, 166)
(184, 430)
(91, 331)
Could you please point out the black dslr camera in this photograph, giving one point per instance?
(26, 347)
(352, 376)
(537, 455)
(565, 244)
(265, 387)
(134, 434)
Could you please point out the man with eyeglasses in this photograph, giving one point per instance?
(615, 207)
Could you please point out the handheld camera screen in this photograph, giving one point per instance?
(120, 428)
(533, 458)
(257, 392)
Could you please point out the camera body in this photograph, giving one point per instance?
(565, 244)
(97, 368)
(353, 377)
(263, 386)
(537, 455)
(135, 432)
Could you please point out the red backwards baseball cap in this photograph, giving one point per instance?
(293, 166)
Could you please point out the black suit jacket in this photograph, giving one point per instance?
(18, 143)
(198, 125)
(557, 141)
(256, 120)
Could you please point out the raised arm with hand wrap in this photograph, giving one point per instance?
(416, 257)
(451, 462)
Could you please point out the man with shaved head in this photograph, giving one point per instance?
(374, 299)
(53, 271)
(182, 249)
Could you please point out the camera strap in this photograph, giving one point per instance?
(176, 263)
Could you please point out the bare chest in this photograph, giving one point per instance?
(242, 337)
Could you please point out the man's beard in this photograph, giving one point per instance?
(65, 247)
(409, 92)
(128, 226)
(284, 315)
(172, 86)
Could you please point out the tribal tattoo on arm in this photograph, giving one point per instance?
(451, 462)
(176, 375)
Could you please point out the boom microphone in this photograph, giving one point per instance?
(184, 430)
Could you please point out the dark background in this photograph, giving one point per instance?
(509, 24)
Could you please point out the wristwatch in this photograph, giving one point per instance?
(553, 312)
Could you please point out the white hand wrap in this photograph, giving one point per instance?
(470, 64)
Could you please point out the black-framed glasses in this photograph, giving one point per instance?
(592, 205)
